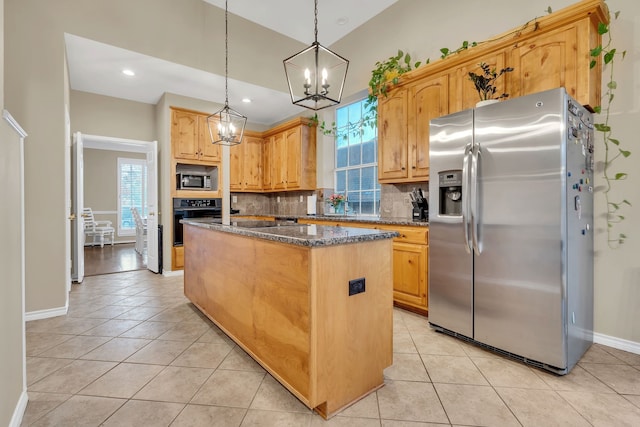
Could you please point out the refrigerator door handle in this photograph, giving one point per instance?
(465, 197)
(475, 208)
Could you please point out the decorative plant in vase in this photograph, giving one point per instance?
(336, 201)
(485, 83)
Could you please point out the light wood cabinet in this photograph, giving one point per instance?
(291, 157)
(550, 53)
(177, 260)
(245, 162)
(267, 162)
(190, 138)
(410, 261)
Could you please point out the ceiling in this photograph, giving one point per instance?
(97, 67)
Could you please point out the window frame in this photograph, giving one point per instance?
(122, 231)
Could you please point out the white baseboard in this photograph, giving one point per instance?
(619, 343)
(172, 273)
(45, 314)
(18, 413)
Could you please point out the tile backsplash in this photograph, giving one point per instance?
(395, 200)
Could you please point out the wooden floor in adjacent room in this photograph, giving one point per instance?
(113, 259)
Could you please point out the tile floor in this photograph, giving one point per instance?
(133, 352)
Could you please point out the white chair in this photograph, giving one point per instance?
(97, 230)
(141, 230)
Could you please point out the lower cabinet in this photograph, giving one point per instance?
(177, 258)
(410, 261)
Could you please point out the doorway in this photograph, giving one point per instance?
(121, 256)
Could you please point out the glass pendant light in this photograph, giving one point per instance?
(316, 75)
(226, 126)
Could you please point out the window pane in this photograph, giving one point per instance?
(341, 181)
(341, 156)
(353, 179)
(132, 193)
(368, 152)
(368, 178)
(354, 155)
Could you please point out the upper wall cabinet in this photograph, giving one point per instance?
(553, 51)
(245, 160)
(190, 137)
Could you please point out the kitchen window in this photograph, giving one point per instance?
(132, 193)
(356, 172)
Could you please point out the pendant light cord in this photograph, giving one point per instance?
(315, 21)
(226, 55)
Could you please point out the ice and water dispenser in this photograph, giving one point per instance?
(450, 184)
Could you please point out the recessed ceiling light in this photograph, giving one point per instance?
(343, 20)
(246, 100)
(128, 72)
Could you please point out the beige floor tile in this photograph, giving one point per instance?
(80, 411)
(367, 407)
(623, 379)
(40, 404)
(535, 408)
(185, 331)
(272, 396)
(112, 328)
(477, 351)
(40, 367)
(597, 354)
(453, 370)
(259, 418)
(180, 313)
(229, 388)
(635, 399)
(117, 349)
(148, 330)
(437, 344)
(133, 301)
(174, 384)
(72, 377)
(474, 405)
(576, 380)
(508, 373)
(410, 401)
(416, 324)
(140, 313)
(74, 347)
(403, 343)
(203, 355)
(342, 421)
(37, 342)
(109, 311)
(215, 336)
(159, 352)
(604, 409)
(139, 413)
(238, 360)
(394, 423)
(407, 367)
(209, 416)
(123, 381)
(625, 356)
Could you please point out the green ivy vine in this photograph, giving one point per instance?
(612, 149)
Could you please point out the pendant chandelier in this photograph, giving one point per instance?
(226, 126)
(316, 75)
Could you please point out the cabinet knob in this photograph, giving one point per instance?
(403, 168)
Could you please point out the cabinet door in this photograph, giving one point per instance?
(463, 93)
(545, 62)
(236, 157)
(209, 151)
(267, 163)
(392, 136)
(252, 163)
(279, 165)
(293, 157)
(427, 100)
(185, 134)
(410, 274)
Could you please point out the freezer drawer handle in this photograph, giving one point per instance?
(475, 208)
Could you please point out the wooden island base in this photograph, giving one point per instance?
(289, 308)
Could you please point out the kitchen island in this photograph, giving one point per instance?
(282, 293)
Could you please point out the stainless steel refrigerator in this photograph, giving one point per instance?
(511, 228)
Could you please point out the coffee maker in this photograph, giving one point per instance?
(420, 205)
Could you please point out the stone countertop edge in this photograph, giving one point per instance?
(324, 236)
(347, 218)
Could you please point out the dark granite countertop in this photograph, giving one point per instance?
(354, 218)
(292, 233)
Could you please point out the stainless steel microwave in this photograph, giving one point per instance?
(193, 181)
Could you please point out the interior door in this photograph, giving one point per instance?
(77, 272)
(152, 207)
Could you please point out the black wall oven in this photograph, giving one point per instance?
(193, 208)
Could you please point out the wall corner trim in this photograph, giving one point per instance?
(619, 343)
(46, 313)
(14, 124)
(18, 412)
